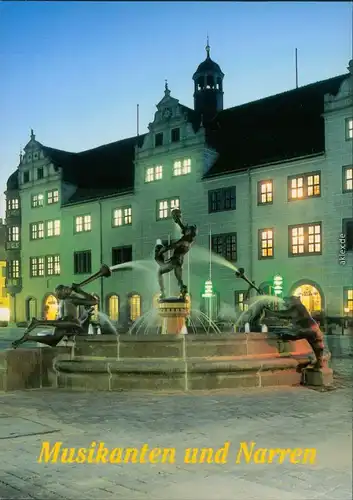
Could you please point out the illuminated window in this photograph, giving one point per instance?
(304, 186)
(164, 207)
(14, 269)
(53, 228)
(113, 307)
(135, 307)
(154, 173)
(13, 233)
(348, 179)
(239, 301)
(36, 266)
(305, 239)
(266, 247)
(122, 216)
(349, 129)
(225, 245)
(13, 204)
(348, 300)
(264, 192)
(53, 265)
(83, 223)
(37, 230)
(53, 196)
(182, 167)
(37, 200)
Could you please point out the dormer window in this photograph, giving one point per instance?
(175, 134)
(35, 156)
(40, 173)
(25, 177)
(29, 157)
(158, 139)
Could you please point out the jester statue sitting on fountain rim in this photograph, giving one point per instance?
(180, 248)
(303, 326)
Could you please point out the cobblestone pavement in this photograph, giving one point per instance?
(274, 418)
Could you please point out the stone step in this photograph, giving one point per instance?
(176, 374)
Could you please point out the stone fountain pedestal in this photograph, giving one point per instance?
(173, 312)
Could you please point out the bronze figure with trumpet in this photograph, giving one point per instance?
(68, 322)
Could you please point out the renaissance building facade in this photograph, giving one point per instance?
(268, 183)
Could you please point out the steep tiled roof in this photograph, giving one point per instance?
(100, 171)
(276, 128)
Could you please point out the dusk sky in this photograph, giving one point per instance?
(75, 71)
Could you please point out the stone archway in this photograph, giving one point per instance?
(31, 308)
(310, 295)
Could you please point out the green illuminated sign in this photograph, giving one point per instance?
(278, 285)
(208, 293)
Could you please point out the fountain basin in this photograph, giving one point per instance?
(184, 363)
(162, 363)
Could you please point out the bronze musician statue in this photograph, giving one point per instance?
(68, 322)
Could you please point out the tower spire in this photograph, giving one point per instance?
(208, 48)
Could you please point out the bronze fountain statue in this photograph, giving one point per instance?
(180, 248)
(69, 321)
(302, 324)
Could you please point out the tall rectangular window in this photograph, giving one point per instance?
(120, 255)
(14, 269)
(175, 135)
(239, 301)
(52, 196)
(221, 200)
(164, 207)
(36, 266)
(349, 129)
(13, 233)
(40, 173)
(37, 200)
(83, 223)
(305, 239)
(348, 232)
(266, 244)
(83, 262)
(265, 192)
(225, 245)
(304, 186)
(53, 228)
(53, 265)
(122, 216)
(37, 230)
(158, 139)
(182, 167)
(347, 179)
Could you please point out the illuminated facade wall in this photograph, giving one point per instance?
(288, 218)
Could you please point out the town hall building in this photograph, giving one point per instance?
(269, 185)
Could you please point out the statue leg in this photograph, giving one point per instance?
(163, 270)
(178, 272)
(73, 327)
(315, 339)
